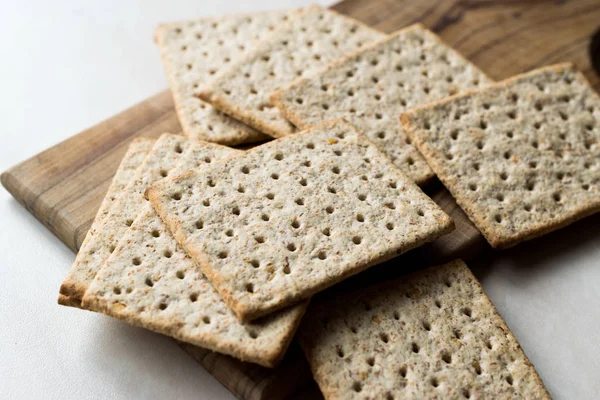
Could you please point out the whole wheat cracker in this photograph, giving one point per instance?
(163, 156)
(521, 157)
(433, 334)
(294, 216)
(305, 44)
(137, 151)
(149, 281)
(371, 87)
(193, 51)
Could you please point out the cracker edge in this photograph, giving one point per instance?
(270, 358)
(246, 313)
(249, 134)
(73, 294)
(294, 118)
(210, 96)
(306, 345)
(497, 241)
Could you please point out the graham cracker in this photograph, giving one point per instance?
(521, 157)
(371, 87)
(193, 51)
(305, 44)
(291, 217)
(431, 335)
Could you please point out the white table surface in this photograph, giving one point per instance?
(67, 65)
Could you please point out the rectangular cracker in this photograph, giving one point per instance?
(291, 217)
(193, 51)
(163, 156)
(520, 157)
(149, 281)
(137, 151)
(305, 44)
(371, 88)
(431, 335)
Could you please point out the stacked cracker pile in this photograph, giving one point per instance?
(223, 248)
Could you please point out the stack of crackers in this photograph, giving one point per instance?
(223, 248)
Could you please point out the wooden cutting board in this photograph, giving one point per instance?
(64, 185)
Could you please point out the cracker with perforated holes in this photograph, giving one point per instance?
(163, 156)
(137, 151)
(193, 51)
(371, 88)
(433, 334)
(305, 44)
(520, 157)
(149, 281)
(291, 217)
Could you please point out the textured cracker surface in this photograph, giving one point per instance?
(193, 51)
(137, 151)
(294, 216)
(163, 156)
(305, 44)
(431, 335)
(372, 87)
(522, 157)
(149, 281)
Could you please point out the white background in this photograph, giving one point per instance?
(66, 65)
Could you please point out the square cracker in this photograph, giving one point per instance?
(193, 51)
(431, 335)
(522, 157)
(291, 217)
(137, 151)
(149, 281)
(371, 88)
(163, 156)
(305, 44)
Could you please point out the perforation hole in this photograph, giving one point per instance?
(510, 134)
(456, 333)
(512, 114)
(270, 196)
(514, 97)
(300, 202)
(375, 79)
(331, 190)
(249, 288)
(117, 290)
(206, 203)
(466, 393)
(326, 232)
(384, 337)
(500, 197)
(322, 255)
(245, 170)
(162, 306)
(340, 352)
(259, 239)
(357, 240)
(530, 186)
(403, 371)
(498, 218)
(585, 186)
(472, 187)
(222, 255)
(415, 347)
(180, 274)
(295, 224)
(229, 233)
(467, 311)
(527, 207)
(427, 326)
(163, 173)
(446, 357)
(136, 261)
(420, 213)
(303, 182)
(194, 297)
(291, 247)
(438, 303)
(155, 233)
(167, 254)
(532, 164)
(253, 334)
(287, 270)
(325, 106)
(509, 380)
(335, 170)
(535, 144)
(476, 166)
(503, 176)
(265, 217)
(329, 209)
(360, 218)
(371, 361)
(174, 196)
(149, 282)
(357, 387)
(556, 197)
(434, 382)
(381, 135)
(479, 144)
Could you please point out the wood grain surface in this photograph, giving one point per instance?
(64, 185)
